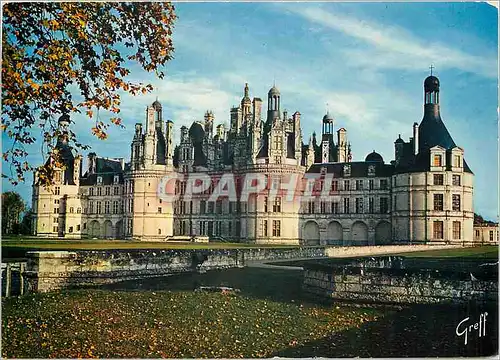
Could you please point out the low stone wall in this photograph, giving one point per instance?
(51, 270)
(396, 280)
(351, 251)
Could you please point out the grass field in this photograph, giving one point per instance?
(164, 317)
(16, 248)
(486, 252)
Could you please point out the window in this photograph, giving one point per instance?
(56, 220)
(106, 207)
(71, 210)
(54, 229)
(99, 179)
(335, 185)
(159, 209)
(477, 234)
(335, 207)
(56, 202)
(78, 227)
(370, 205)
(370, 184)
(346, 206)
(359, 205)
(277, 205)
(108, 190)
(99, 191)
(218, 207)
(438, 229)
(91, 191)
(56, 210)
(230, 207)
(98, 207)
(395, 204)
(383, 184)
(347, 185)
(203, 206)
(84, 225)
(277, 228)
(115, 207)
(438, 202)
(116, 190)
(159, 231)
(210, 207)
(70, 229)
(359, 184)
(116, 178)
(455, 202)
(456, 229)
(384, 205)
(491, 235)
(457, 161)
(311, 206)
(58, 190)
(437, 160)
(347, 170)
(264, 228)
(79, 210)
(438, 179)
(456, 180)
(91, 207)
(275, 183)
(265, 204)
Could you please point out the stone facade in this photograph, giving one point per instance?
(424, 195)
(486, 233)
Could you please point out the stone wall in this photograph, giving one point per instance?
(51, 270)
(351, 251)
(398, 280)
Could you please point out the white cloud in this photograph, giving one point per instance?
(394, 47)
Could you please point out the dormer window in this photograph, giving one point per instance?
(457, 161)
(438, 160)
(99, 180)
(116, 179)
(371, 170)
(347, 170)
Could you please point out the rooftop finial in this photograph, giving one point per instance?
(431, 67)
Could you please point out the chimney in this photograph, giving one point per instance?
(415, 138)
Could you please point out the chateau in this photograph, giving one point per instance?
(423, 195)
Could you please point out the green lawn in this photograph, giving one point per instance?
(175, 324)
(486, 252)
(164, 317)
(16, 248)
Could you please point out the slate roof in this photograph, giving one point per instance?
(107, 169)
(431, 132)
(358, 169)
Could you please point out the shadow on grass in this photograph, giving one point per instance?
(414, 331)
(273, 284)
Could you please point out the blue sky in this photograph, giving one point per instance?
(366, 61)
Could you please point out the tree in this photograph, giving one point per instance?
(12, 208)
(63, 58)
(25, 225)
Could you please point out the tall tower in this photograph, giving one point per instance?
(150, 136)
(169, 139)
(298, 136)
(342, 148)
(273, 104)
(246, 103)
(327, 137)
(209, 125)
